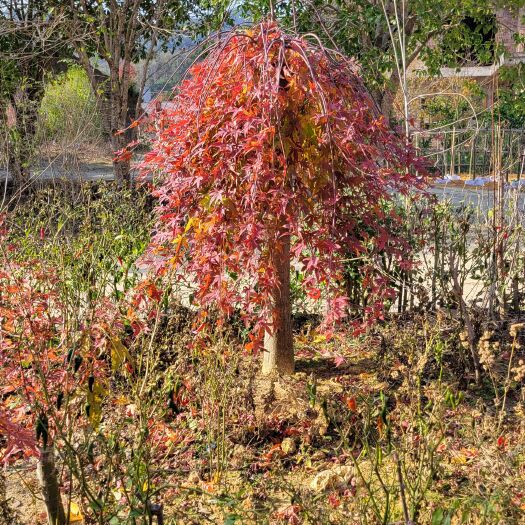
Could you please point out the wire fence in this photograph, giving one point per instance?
(474, 153)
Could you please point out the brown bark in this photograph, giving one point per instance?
(47, 477)
(278, 346)
(121, 168)
(117, 114)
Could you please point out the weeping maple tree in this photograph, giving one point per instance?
(273, 151)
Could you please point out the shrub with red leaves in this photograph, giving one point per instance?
(54, 367)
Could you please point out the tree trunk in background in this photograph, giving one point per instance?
(387, 104)
(121, 168)
(278, 347)
(385, 96)
(123, 115)
(47, 477)
(117, 100)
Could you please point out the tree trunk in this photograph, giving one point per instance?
(117, 113)
(121, 168)
(384, 98)
(387, 104)
(278, 346)
(125, 115)
(47, 476)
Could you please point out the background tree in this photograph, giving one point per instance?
(31, 48)
(272, 151)
(119, 34)
(387, 36)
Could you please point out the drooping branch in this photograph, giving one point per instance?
(272, 138)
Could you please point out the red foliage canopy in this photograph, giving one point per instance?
(271, 136)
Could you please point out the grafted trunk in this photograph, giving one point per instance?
(47, 476)
(278, 346)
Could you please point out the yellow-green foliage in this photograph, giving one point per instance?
(68, 110)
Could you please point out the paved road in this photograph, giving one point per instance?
(482, 198)
(89, 172)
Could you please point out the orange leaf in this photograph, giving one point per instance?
(351, 403)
